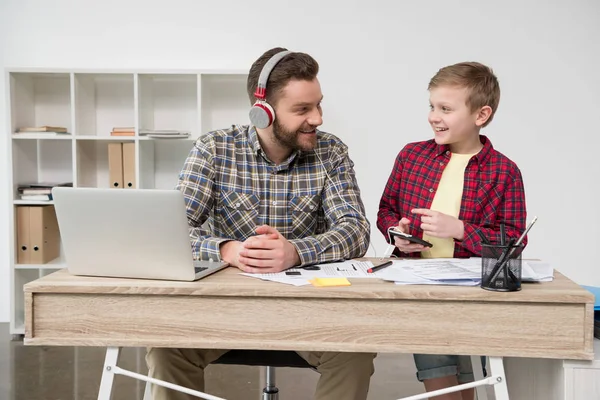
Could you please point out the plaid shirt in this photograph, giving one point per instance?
(229, 183)
(493, 193)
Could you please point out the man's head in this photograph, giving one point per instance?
(463, 98)
(294, 92)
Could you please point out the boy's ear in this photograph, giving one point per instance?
(483, 115)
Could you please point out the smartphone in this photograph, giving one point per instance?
(413, 239)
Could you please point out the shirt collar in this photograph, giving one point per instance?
(257, 149)
(482, 156)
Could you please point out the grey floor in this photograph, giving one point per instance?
(64, 373)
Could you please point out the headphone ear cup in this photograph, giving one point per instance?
(262, 115)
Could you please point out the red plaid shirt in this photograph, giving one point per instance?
(493, 193)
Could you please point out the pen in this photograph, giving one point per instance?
(501, 261)
(311, 268)
(507, 253)
(485, 241)
(502, 234)
(526, 230)
(380, 266)
(482, 236)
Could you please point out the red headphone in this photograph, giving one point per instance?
(262, 114)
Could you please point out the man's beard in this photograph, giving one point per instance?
(289, 139)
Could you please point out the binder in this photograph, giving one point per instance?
(23, 242)
(38, 236)
(129, 165)
(115, 165)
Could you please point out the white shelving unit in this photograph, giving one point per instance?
(89, 104)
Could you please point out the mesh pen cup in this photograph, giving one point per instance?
(501, 267)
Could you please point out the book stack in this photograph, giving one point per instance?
(123, 131)
(46, 130)
(164, 133)
(39, 191)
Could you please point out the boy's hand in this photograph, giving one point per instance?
(267, 252)
(437, 224)
(404, 245)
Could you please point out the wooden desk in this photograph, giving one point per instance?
(228, 310)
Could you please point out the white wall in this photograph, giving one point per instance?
(376, 59)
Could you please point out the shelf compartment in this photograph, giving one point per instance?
(92, 162)
(169, 102)
(224, 101)
(40, 99)
(36, 161)
(161, 161)
(102, 102)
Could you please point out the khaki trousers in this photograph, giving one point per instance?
(344, 376)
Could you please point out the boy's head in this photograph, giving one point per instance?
(481, 85)
(294, 93)
(463, 98)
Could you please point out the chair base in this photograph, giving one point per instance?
(270, 394)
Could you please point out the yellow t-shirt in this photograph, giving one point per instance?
(447, 200)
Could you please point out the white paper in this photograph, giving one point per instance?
(436, 271)
(347, 269)
(443, 271)
(537, 271)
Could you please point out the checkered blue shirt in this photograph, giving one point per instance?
(230, 187)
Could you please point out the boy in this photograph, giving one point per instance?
(447, 188)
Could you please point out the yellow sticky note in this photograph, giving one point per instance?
(330, 282)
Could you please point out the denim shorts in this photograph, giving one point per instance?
(430, 366)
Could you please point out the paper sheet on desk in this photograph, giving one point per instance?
(537, 271)
(444, 269)
(401, 276)
(439, 271)
(454, 271)
(346, 269)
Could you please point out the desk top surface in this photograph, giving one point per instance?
(230, 283)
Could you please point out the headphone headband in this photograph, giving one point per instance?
(261, 87)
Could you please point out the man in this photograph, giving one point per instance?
(276, 194)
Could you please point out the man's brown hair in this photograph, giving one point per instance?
(298, 66)
(478, 79)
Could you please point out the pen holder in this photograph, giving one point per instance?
(501, 267)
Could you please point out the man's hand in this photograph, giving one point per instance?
(437, 224)
(404, 245)
(230, 252)
(267, 252)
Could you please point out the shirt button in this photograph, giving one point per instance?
(311, 207)
(275, 202)
(441, 164)
(447, 152)
(237, 205)
(431, 190)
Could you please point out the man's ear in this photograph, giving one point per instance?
(483, 115)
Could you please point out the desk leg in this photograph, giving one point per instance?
(495, 378)
(497, 371)
(108, 375)
(478, 375)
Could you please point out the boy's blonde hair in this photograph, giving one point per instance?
(477, 78)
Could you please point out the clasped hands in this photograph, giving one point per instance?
(266, 252)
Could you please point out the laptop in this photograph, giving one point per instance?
(127, 233)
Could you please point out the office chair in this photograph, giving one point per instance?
(270, 359)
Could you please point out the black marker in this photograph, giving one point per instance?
(380, 266)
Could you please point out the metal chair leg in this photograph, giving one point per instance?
(270, 392)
